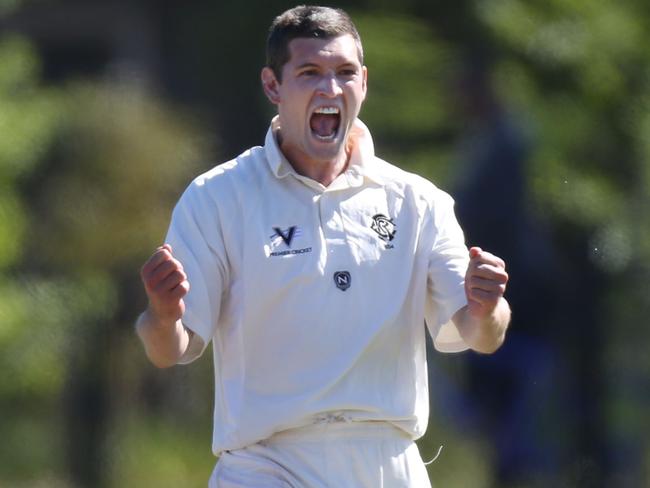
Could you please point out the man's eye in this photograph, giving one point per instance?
(308, 72)
(348, 72)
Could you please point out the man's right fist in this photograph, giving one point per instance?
(166, 284)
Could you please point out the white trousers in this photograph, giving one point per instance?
(326, 455)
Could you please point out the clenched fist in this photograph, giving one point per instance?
(485, 282)
(166, 284)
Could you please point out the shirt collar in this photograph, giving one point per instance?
(361, 159)
(278, 163)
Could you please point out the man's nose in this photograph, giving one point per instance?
(329, 86)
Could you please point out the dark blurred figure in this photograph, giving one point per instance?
(510, 393)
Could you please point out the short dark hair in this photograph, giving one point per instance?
(306, 21)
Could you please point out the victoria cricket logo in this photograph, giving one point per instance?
(384, 227)
(342, 280)
(285, 235)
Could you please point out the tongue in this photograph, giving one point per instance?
(324, 124)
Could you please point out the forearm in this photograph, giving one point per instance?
(164, 343)
(484, 334)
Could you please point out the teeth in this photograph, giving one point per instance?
(327, 110)
(326, 138)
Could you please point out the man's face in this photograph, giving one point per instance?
(322, 89)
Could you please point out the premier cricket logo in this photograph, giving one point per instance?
(282, 240)
(384, 227)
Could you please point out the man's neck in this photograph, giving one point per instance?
(324, 172)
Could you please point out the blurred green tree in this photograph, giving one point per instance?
(581, 73)
(32, 372)
(89, 173)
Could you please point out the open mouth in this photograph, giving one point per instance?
(324, 123)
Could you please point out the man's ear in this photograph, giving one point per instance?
(364, 73)
(271, 85)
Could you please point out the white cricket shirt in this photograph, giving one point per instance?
(315, 297)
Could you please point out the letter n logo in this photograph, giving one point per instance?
(342, 280)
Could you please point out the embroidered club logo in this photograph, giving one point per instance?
(342, 280)
(384, 227)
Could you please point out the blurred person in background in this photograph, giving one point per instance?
(507, 387)
(311, 265)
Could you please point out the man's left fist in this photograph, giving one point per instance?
(485, 282)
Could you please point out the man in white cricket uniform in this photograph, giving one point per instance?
(311, 265)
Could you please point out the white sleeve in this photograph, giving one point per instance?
(448, 261)
(197, 242)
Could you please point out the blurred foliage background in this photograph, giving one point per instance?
(534, 115)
